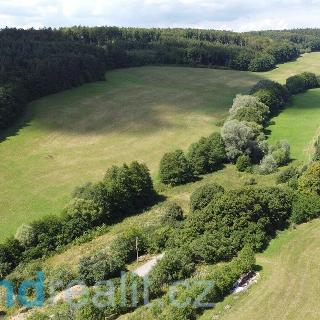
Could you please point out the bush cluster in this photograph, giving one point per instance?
(271, 93)
(305, 208)
(302, 82)
(99, 267)
(124, 190)
(205, 156)
(309, 182)
(223, 280)
(243, 163)
(278, 155)
(202, 196)
(233, 219)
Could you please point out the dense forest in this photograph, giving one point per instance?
(34, 63)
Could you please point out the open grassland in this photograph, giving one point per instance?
(309, 62)
(138, 114)
(299, 123)
(74, 136)
(289, 285)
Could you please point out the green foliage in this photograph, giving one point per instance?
(262, 62)
(271, 93)
(287, 175)
(175, 169)
(238, 138)
(124, 190)
(171, 214)
(89, 312)
(202, 196)
(25, 235)
(207, 155)
(268, 165)
(100, 267)
(247, 108)
(159, 238)
(233, 219)
(281, 152)
(79, 216)
(124, 246)
(243, 163)
(302, 82)
(316, 155)
(309, 182)
(296, 84)
(60, 277)
(10, 256)
(175, 265)
(305, 208)
(222, 278)
(310, 80)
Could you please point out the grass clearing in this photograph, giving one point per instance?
(309, 62)
(289, 285)
(138, 114)
(74, 136)
(299, 123)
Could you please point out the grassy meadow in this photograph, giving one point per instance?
(139, 114)
(289, 282)
(299, 124)
(74, 136)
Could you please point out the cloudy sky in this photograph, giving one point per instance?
(237, 15)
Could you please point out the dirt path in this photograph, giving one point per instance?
(146, 268)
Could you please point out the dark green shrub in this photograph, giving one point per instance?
(296, 84)
(171, 213)
(207, 155)
(124, 246)
(202, 196)
(243, 163)
(158, 239)
(305, 208)
(287, 175)
(262, 62)
(47, 231)
(129, 189)
(271, 93)
(175, 169)
(309, 182)
(79, 216)
(249, 216)
(175, 265)
(310, 80)
(100, 267)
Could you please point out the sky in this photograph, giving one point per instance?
(236, 15)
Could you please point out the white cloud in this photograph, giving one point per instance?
(239, 15)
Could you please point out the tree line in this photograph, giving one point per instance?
(35, 63)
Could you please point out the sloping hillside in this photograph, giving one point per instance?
(289, 285)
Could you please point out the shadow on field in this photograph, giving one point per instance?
(20, 124)
(142, 100)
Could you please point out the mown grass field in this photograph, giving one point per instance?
(299, 124)
(74, 136)
(289, 285)
(137, 114)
